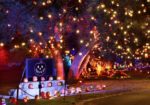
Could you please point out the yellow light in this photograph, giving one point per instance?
(146, 55)
(128, 26)
(81, 41)
(60, 24)
(117, 5)
(130, 14)
(144, 10)
(67, 51)
(61, 41)
(30, 51)
(49, 1)
(136, 40)
(115, 21)
(23, 43)
(102, 5)
(129, 57)
(125, 32)
(80, 1)
(139, 12)
(114, 34)
(116, 42)
(91, 32)
(108, 67)
(16, 46)
(61, 47)
(49, 16)
(112, 2)
(147, 44)
(43, 3)
(76, 8)
(35, 3)
(148, 31)
(99, 68)
(121, 28)
(119, 47)
(40, 33)
(111, 18)
(142, 5)
(105, 10)
(128, 49)
(130, 65)
(126, 13)
(64, 10)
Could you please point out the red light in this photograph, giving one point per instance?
(3, 56)
(49, 84)
(30, 86)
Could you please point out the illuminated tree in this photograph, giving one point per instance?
(76, 29)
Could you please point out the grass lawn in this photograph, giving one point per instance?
(68, 100)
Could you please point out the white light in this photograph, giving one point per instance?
(1, 44)
(25, 80)
(31, 40)
(77, 31)
(58, 78)
(80, 53)
(7, 11)
(9, 25)
(31, 30)
(50, 78)
(41, 18)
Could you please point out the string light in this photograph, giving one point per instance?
(77, 31)
(49, 16)
(1, 44)
(116, 27)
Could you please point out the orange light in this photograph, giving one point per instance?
(1, 44)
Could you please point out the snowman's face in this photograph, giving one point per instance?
(40, 68)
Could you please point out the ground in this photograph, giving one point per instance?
(133, 98)
(118, 92)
